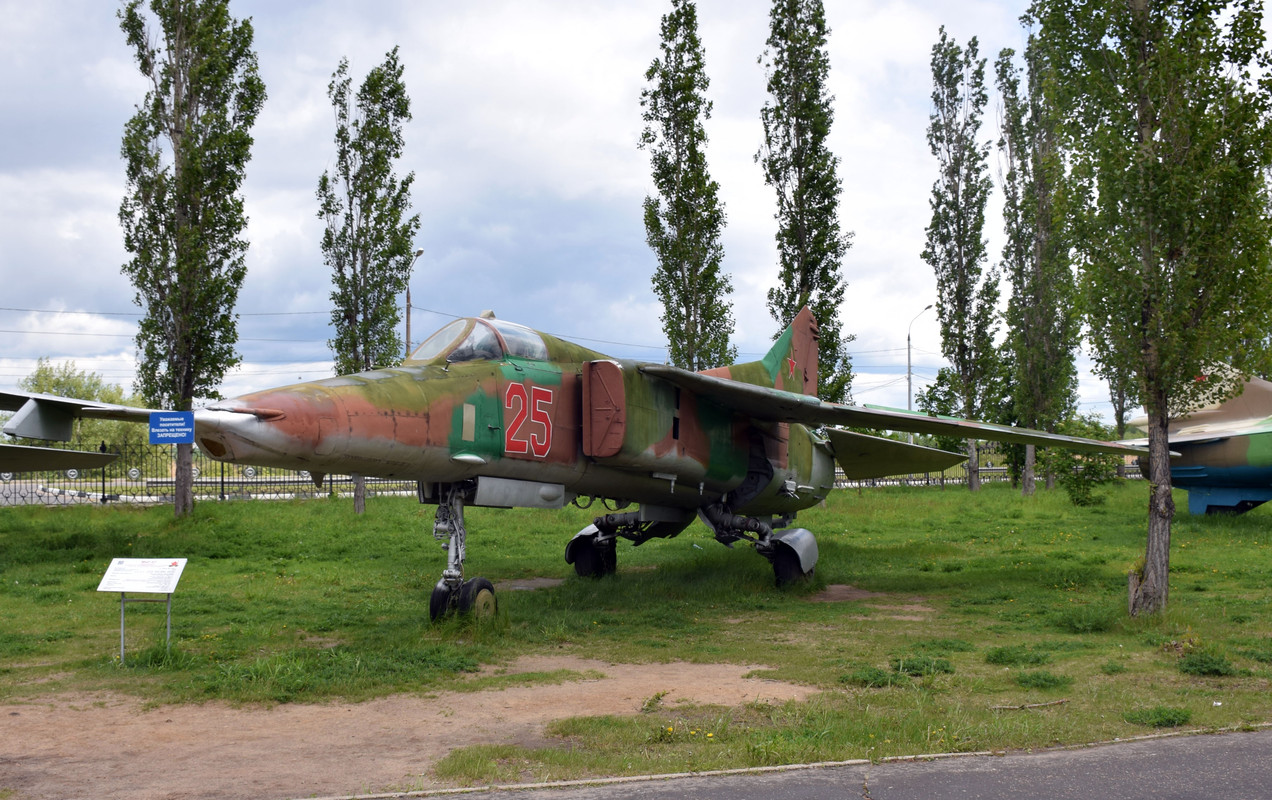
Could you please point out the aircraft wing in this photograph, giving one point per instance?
(19, 458)
(46, 416)
(775, 405)
(861, 456)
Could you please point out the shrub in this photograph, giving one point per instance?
(1041, 679)
(922, 665)
(870, 677)
(1159, 717)
(1085, 619)
(1016, 655)
(1206, 661)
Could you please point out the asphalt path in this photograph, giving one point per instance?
(1231, 766)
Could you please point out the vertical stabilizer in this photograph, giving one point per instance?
(791, 364)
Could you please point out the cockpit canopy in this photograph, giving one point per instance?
(479, 339)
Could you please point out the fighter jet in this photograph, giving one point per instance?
(1222, 452)
(490, 413)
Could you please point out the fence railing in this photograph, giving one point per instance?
(145, 474)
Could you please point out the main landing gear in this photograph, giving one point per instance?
(791, 551)
(453, 593)
(593, 550)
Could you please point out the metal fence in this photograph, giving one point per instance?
(145, 474)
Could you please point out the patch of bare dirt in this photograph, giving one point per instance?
(110, 746)
(913, 609)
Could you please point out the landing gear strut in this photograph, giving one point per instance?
(452, 592)
(791, 551)
(593, 550)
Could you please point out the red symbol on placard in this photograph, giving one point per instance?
(536, 405)
(175, 564)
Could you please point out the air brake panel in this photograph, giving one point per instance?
(604, 409)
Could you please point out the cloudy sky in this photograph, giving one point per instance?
(528, 179)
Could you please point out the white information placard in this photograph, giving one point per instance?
(156, 575)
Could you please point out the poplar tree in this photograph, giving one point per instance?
(967, 291)
(684, 222)
(797, 164)
(185, 152)
(1167, 106)
(1042, 318)
(368, 237)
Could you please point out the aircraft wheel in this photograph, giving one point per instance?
(440, 602)
(477, 597)
(593, 560)
(786, 567)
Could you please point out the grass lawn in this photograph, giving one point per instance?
(988, 602)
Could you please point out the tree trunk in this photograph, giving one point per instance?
(1148, 594)
(1027, 475)
(359, 494)
(183, 485)
(973, 466)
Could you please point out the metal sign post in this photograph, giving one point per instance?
(146, 576)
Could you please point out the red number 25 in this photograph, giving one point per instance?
(535, 406)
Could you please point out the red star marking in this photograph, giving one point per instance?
(790, 367)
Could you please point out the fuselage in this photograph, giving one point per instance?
(484, 398)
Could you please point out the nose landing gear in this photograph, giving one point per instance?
(452, 593)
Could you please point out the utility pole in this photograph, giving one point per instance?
(418, 253)
(909, 375)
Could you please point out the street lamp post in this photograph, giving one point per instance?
(909, 375)
(418, 253)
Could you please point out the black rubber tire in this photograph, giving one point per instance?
(592, 560)
(439, 602)
(786, 567)
(477, 597)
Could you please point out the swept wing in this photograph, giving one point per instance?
(775, 405)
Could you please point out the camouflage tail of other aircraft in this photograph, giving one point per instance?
(490, 413)
(1222, 452)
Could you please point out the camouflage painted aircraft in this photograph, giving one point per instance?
(490, 413)
(1223, 452)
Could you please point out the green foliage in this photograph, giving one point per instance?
(920, 665)
(683, 225)
(1086, 618)
(185, 153)
(1166, 125)
(1042, 317)
(967, 291)
(1081, 475)
(1206, 661)
(870, 677)
(804, 173)
(1159, 717)
(1016, 655)
(368, 238)
(185, 156)
(1042, 679)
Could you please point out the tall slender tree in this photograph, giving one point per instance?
(804, 173)
(967, 291)
(1042, 318)
(185, 152)
(684, 222)
(368, 237)
(1168, 125)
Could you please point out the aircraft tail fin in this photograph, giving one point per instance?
(790, 365)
